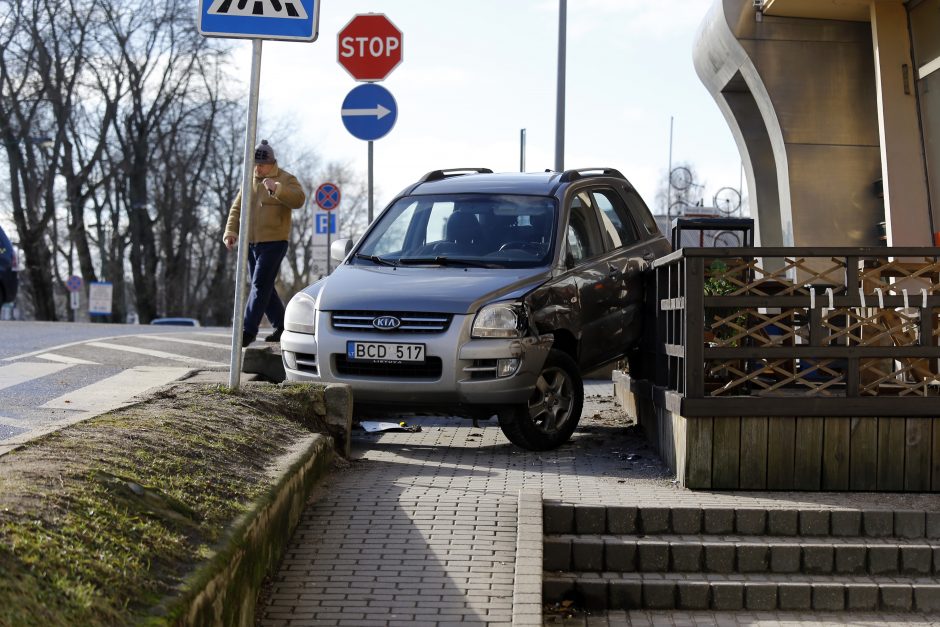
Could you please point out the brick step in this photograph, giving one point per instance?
(562, 518)
(740, 554)
(701, 591)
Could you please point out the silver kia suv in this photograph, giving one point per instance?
(482, 294)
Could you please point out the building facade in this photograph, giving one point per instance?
(835, 108)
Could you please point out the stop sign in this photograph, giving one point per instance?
(369, 47)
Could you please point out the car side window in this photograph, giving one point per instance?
(641, 212)
(619, 229)
(583, 235)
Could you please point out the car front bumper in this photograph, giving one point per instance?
(467, 375)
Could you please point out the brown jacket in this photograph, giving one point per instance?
(270, 220)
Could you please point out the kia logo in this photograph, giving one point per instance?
(386, 323)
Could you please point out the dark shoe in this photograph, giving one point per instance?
(274, 337)
(247, 338)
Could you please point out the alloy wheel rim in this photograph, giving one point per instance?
(552, 402)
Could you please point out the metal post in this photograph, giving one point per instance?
(560, 102)
(370, 183)
(329, 219)
(669, 172)
(522, 150)
(251, 129)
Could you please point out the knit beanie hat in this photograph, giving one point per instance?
(264, 153)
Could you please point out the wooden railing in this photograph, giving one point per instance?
(795, 331)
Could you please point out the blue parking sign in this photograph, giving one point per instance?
(324, 219)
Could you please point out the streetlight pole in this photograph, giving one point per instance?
(560, 101)
(522, 150)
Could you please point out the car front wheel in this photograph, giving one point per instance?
(552, 412)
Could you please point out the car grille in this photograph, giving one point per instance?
(430, 369)
(411, 321)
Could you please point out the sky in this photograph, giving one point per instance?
(474, 74)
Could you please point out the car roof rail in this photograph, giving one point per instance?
(438, 175)
(573, 175)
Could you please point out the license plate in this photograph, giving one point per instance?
(384, 351)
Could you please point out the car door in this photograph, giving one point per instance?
(628, 251)
(598, 291)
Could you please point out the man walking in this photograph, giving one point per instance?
(276, 193)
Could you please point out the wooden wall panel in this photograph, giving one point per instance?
(780, 453)
(835, 456)
(863, 459)
(753, 454)
(807, 465)
(726, 453)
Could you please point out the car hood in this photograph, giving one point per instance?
(427, 289)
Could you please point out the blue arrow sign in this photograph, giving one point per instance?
(292, 20)
(369, 112)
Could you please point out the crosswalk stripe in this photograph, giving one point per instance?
(64, 359)
(116, 391)
(13, 422)
(259, 8)
(14, 374)
(153, 353)
(179, 340)
(207, 334)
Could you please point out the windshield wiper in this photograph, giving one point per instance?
(444, 261)
(375, 259)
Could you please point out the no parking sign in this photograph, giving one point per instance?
(328, 196)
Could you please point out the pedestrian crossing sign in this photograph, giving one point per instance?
(291, 20)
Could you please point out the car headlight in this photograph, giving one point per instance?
(499, 320)
(301, 314)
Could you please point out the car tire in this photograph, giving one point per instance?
(552, 413)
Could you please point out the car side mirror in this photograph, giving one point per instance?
(340, 249)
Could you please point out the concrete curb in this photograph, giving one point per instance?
(527, 582)
(225, 591)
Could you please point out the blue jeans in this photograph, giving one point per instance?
(264, 261)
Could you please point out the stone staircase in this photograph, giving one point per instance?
(615, 557)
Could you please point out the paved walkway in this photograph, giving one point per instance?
(420, 528)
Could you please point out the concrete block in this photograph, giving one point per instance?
(814, 523)
(556, 554)
(882, 559)
(620, 555)
(916, 559)
(654, 520)
(878, 524)
(861, 597)
(933, 525)
(794, 596)
(753, 557)
(693, 595)
(558, 518)
(587, 554)
(782, 522)
(625, 595)
(265, 361)
(621, 520)
(590, 519)
(817, 559)
(910, 524)
(593, 593)
(652, 556)
(727, 595)
(718, 521)
(850, 559)
(686, 520)
(760, 596)
(659, 595)
(719, 557)
(936, 559)
(784, 558)
(927, 597)
(686, 557)
(846, 523)
(896, 597)
(828, 597)
(750, 522)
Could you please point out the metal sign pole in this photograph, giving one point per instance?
(522, 150)
(370, 182)
(251, 129)
(560, 100)
(329, 219)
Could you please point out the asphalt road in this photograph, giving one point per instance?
(56, 372)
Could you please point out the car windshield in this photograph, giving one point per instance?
(485, 230)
